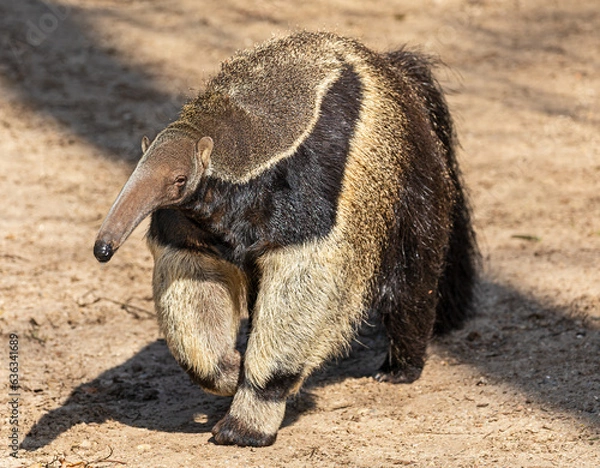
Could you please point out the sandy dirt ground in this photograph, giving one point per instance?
(82, 82)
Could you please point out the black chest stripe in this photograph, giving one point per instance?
(292, 202)
(305, 187)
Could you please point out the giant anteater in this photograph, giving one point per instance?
(312, 182)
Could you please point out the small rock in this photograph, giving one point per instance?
(86, 444)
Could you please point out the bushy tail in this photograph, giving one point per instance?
(457, 284)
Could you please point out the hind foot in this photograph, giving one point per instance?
(403, 376)
(404, 373)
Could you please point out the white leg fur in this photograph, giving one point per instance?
(199, 301)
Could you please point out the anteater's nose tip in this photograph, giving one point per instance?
(103, 251)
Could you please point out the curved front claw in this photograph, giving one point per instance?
(232, 431)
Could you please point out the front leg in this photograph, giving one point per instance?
(305, 312)
(199, 300)
(252, 420)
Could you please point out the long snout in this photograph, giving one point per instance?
(137, 200)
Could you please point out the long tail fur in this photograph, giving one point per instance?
(457, 284)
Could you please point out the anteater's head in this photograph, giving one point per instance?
(168, 173)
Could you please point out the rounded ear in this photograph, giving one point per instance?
(145, 143)
(204, 148)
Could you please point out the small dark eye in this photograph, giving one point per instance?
(180, 181)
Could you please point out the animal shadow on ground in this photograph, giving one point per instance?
(149, 390)
(546, 353)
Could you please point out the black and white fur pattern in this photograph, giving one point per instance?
(332, 190)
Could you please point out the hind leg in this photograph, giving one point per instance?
(199, 300)
(409, 326)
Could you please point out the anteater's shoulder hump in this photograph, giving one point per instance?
(265, 101)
